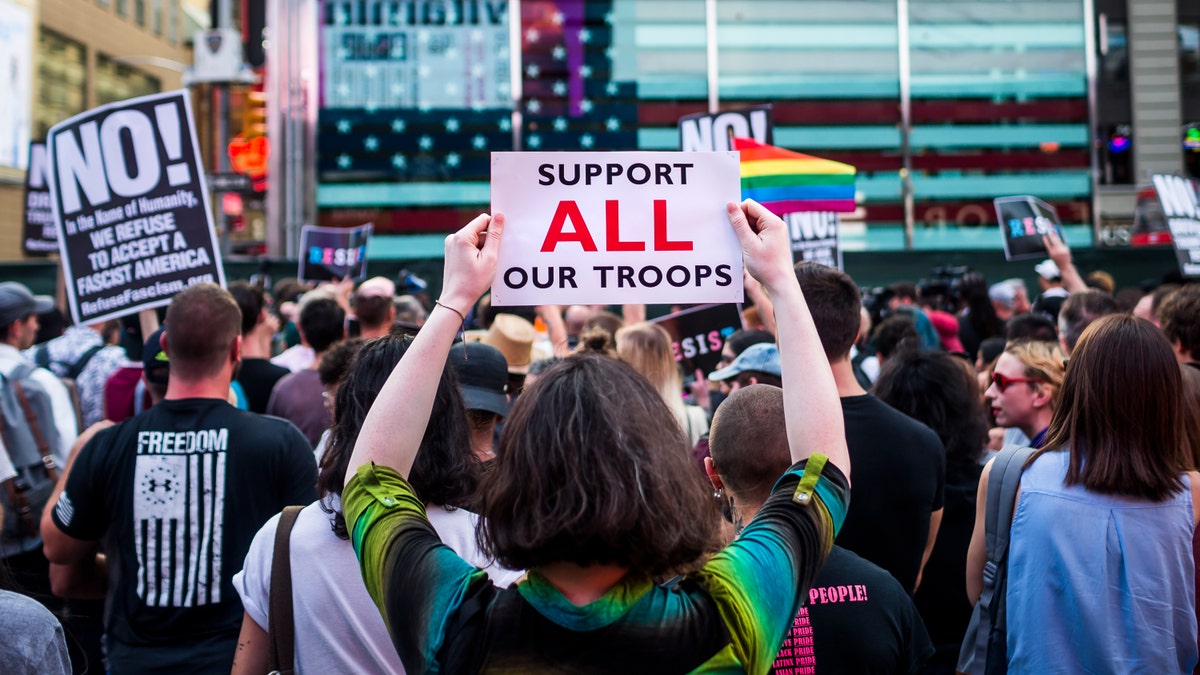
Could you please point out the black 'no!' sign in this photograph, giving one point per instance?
(129, 201)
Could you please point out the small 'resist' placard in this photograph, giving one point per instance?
(616, 228)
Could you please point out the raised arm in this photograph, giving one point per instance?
(393, 428)
(1060, 253)
(812, 409)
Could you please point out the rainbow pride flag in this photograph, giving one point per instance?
(787, 182)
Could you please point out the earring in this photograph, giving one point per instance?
(719, 493)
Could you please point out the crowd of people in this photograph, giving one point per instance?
(482, 488)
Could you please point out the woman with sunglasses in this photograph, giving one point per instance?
(594, 494)
(1100, 564)
(1024, 390)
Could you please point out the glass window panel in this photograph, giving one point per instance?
(116, 81)
(61, 88)
(1189, 51)
(831, 70)
(173, 21)
(999, 101)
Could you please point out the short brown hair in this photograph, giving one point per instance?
(250, 300)
(835, 304)
(1080, 310)
(1121, 412)
(202, 324)
(589, 470)
(1179, 317)
(748, 442)
(372, 310)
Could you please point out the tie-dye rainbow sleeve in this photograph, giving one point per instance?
(415, 580)
(759, 581)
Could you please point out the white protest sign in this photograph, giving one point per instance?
(616, 228)
(128, 194)
(705, 133)
(815, 237)
(1181, 206)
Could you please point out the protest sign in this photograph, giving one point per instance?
(713, 133)
(334, 253)
(1182, 210)
(616, 228)
(1023, 222)
(39, 235)
(698, 334)
(128, 195)
(815, 237)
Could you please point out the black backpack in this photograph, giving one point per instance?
(30, 437)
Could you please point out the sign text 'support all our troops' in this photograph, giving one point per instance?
(621, 227)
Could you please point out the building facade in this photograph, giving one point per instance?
(942, 105)
(68, 56)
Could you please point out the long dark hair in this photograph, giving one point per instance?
(591, 469)
(938, 390)
(982, 315)
(445, 472)
(1121, 410)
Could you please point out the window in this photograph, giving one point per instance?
(1189, 52)
(116, 81)
(1114, 51)
(61, 90)
(173, 21)
(139, 12)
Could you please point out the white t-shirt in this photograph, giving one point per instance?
(295, 358)
(338, 628)
(7, 470)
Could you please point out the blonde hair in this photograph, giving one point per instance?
(1043, 360)
(647, 348)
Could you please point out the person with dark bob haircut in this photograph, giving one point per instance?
(1100, 560)
(328, 610)
(941, 391)
(592, 491)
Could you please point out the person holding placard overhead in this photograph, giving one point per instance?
(589, 496)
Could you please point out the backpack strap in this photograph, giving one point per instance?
(74, 371)
(1003, 482)
(281, 625)
(31, 418)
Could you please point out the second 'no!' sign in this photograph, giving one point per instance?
(616, 228)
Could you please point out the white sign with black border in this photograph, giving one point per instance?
(1181, 206)
(131, 206)
(616, 228)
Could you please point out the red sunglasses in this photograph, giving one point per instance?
(1002, 383)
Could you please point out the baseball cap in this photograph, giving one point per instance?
(1048, 270)
(18, 302)
(482, 376)
(762, 357)
(154, 360)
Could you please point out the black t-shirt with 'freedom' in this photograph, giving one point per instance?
(176, 495)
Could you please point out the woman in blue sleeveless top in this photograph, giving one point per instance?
(1100, 567)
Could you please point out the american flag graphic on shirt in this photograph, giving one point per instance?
(178, 516)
